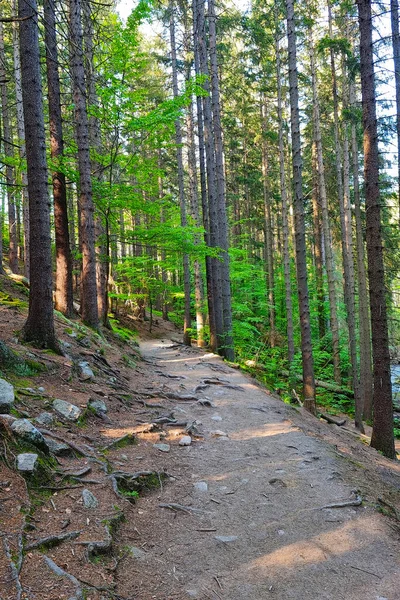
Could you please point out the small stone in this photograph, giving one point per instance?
(41, 389)
(137, 552)
(67, 410)
(226, 539)
(28, 432)
(281, 532)
(186, 440)
(99, 406)
(85, 372)
(89, 499)
(218, 433)
(57, 448)
(45, 418)
(162, 447)
(201, 486)
(27, 462)
(123, 457)
(216, 418)
(6, 396)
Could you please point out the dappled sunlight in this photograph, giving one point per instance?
(267, 430)
(320, 548)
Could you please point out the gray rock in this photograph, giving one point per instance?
(186, 440)
(67, 410)
(57, 448)
(201, 486)
(89, 499)
(41, 389)
(99, 406)
(45, 418)
(218, 433)
(27, 462)
(28, 432)
(6, 396)
(162, 447)
(137, 552)
(226, 539)
(216, 418)
(85, 372)
(8, 418)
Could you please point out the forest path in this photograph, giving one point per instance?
(258, 528)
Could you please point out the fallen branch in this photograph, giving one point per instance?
(356, 502)
(331, 420)
(176, 507)
(52, 540)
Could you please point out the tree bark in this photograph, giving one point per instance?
(9, 154)
(64, 291)
(89, 311)
(39, 326)
(181, 187)
(227, 348)
(21, 140)
(394, 15)
(382, 430)
(301, 256)
(284, 202)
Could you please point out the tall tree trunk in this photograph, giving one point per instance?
(214, 291)
(9, 154)
(39, 326)
(182, 200)
(329, 260)
(284, 202)
(21, 139)
(268, 242)
(366, 379)
(394, 14)
(89, 309)
(382, 430)
(64, 291)
(301, 255)
(228, 348)
(318, 238)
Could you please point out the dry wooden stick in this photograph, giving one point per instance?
(356, 502)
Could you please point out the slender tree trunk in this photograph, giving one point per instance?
(284, 201)
(382, 430)
(21, 139)
(89, 309)
(64, 292)
(268, 241)
(39, 326)
(394, 13)
(318, 254)
(328, 246)
(182, 200)
(301, 256)
(227, 340)
(366, 380)
(9, 153)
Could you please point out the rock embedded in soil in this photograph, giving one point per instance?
(67, 410)
(99, 406)
(45, 418)
(162, 447)
(28, 432)
(6, 396)
(27, 462)
(201, 486)
(137, 552)
(216, 418)
(57, 448)
(226, 539)
(218, 433)
(186, 440)
(89, 499)
(85, 372)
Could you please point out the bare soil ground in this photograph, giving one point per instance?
(250, 510)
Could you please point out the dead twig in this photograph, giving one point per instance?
(356, 502)
(179, 507)
(365, 571)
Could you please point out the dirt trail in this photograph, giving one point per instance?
(259, 528)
